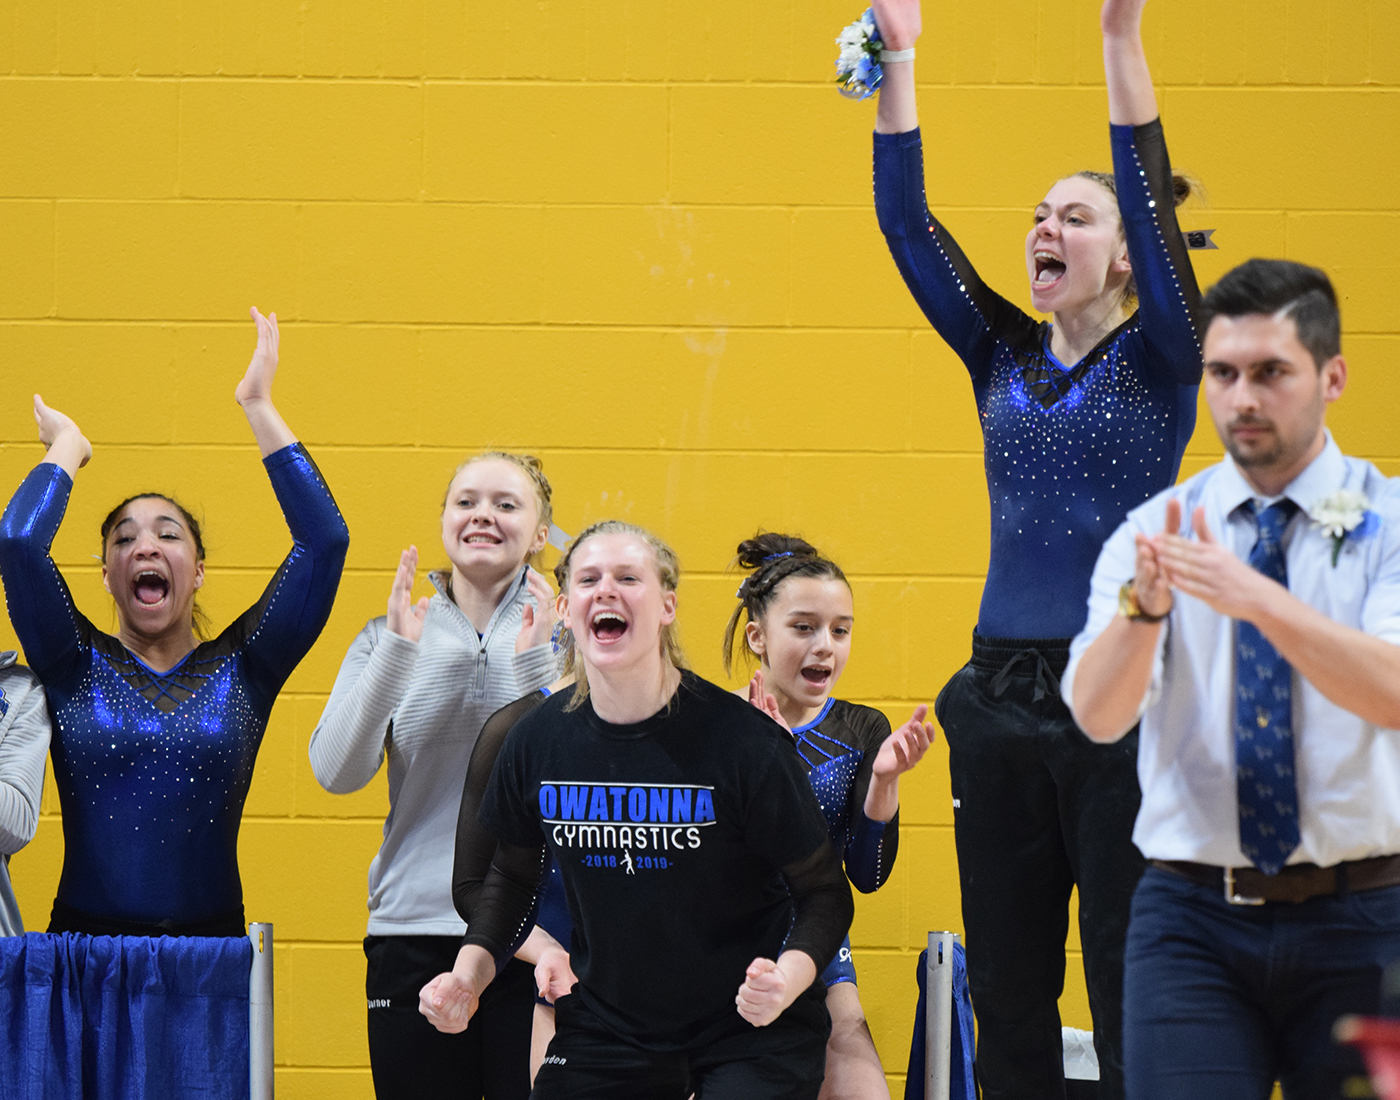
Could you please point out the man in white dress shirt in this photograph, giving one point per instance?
(1250, 619)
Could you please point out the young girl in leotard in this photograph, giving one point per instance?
(704, 892)
(414, 689)
(1083, 418)
(155, 731)
(796, 614)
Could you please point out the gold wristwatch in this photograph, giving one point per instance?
(1131, 610)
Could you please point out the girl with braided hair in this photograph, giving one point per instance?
(796, 613)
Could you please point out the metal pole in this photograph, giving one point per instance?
(260, 1014)
(938, 1018)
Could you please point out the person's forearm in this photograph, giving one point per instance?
(1356, 671)
(800, 971)
(475, 965)
(898, 112)
(1113, 678)
(882, 799)
(1131, 100)
(269, 429)
(536, 944)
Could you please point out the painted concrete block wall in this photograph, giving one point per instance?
(635, 239)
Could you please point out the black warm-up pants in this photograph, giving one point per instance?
(1038, 808)
(410, 1059)
(784, 1061)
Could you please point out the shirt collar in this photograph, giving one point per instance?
(1322, 477)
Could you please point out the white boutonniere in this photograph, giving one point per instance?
(1346, 514)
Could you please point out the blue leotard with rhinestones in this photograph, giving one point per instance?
(839, 747)
(1068, 450)
(152, 769)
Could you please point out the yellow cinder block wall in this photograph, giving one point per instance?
(636, 238)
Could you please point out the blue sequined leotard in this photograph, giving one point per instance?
(1068, 451)
(839, 747)
(152, 768)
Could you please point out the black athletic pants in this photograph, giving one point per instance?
(1037, 808)
(784, 1061)
(411, 1059)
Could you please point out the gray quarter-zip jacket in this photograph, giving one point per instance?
(421, 705)
(24, 745)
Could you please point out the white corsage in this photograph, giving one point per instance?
(1346, 514)
(858, 71)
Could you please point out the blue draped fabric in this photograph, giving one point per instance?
(963, 1079)
(120, 1018)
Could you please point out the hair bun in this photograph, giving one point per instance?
(753, 552)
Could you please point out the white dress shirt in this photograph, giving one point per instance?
(1348, 771)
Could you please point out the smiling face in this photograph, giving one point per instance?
(616, 604)
(804, 640)
(491, 521)
(1267, 396)
(152, 568)
(1075, 251)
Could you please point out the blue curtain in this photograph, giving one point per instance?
(120, 1018)
(963, 1078)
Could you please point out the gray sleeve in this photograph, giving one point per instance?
(347, 745)
(535, 668)
(24, 744)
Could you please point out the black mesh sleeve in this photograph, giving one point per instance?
(871, 846)
(490, 879)
(824, 908)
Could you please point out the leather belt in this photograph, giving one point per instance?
(1298, 882)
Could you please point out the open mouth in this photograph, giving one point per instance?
(817, 677)
(608, 626)
(150, 589)
(480, 538)
(1048, 269)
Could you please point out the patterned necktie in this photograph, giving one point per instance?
(1267, 789)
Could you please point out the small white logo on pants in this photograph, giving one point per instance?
(379, 1003)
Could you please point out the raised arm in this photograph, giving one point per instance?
(40, 606)
(254, 393)
(1168, 297)
(900, 23)
(1131, 100)
(281, 627)
(347, 745)
(967, 313)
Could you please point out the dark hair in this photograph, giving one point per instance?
(773, 558)
(201, 620)
(1183, 187)
(1281, 286)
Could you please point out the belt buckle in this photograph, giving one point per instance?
(1234, 898)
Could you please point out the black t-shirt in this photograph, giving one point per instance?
(690, 844)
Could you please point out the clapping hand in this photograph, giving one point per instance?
(765, 702)
(536, 623)
(405, 616)
(905, 747)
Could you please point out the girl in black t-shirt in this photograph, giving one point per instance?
(796, 613)
(699, 875)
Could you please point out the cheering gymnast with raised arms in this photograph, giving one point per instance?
(1083, 418)
(155, 732)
